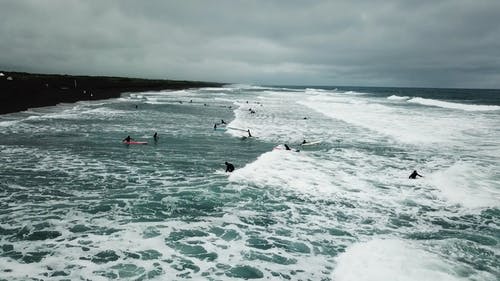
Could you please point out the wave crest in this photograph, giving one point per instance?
(453, 105)
(394, 97)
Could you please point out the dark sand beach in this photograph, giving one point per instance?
(20, 91)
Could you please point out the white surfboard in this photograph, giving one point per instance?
(311, 143)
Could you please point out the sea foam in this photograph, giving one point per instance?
(290, 169)
(391, 259)
(403, 125)
(468, 185)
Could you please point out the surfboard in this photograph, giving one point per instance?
(135, 142)
(311, 143)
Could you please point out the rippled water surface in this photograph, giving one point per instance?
(77, 204)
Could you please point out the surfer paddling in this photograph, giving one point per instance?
(128, 139)
(288, 148)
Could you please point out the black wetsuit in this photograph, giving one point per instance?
(414, 175)
(229, 167)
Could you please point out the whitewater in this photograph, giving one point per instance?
(77, 204)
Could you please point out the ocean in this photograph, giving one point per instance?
(78, 204)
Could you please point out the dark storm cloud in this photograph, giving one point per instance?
(450, 43)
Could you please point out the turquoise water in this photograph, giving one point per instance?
(77, 204)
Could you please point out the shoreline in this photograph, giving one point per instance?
(30, 90)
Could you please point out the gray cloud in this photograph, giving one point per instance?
(448, 43)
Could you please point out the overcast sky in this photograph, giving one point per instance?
(449, 43)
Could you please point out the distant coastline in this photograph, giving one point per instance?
(20, 91)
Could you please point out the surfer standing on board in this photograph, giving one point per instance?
(249, 135)
(414, 175)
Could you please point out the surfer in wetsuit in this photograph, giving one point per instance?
(127, 139)
(249, 135)
(215, 126)
(229, 167)
(304, 142)
(287, 147)
(414, 175)
(155, 136)
(222, 121)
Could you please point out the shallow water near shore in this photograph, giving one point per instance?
(77, 204)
